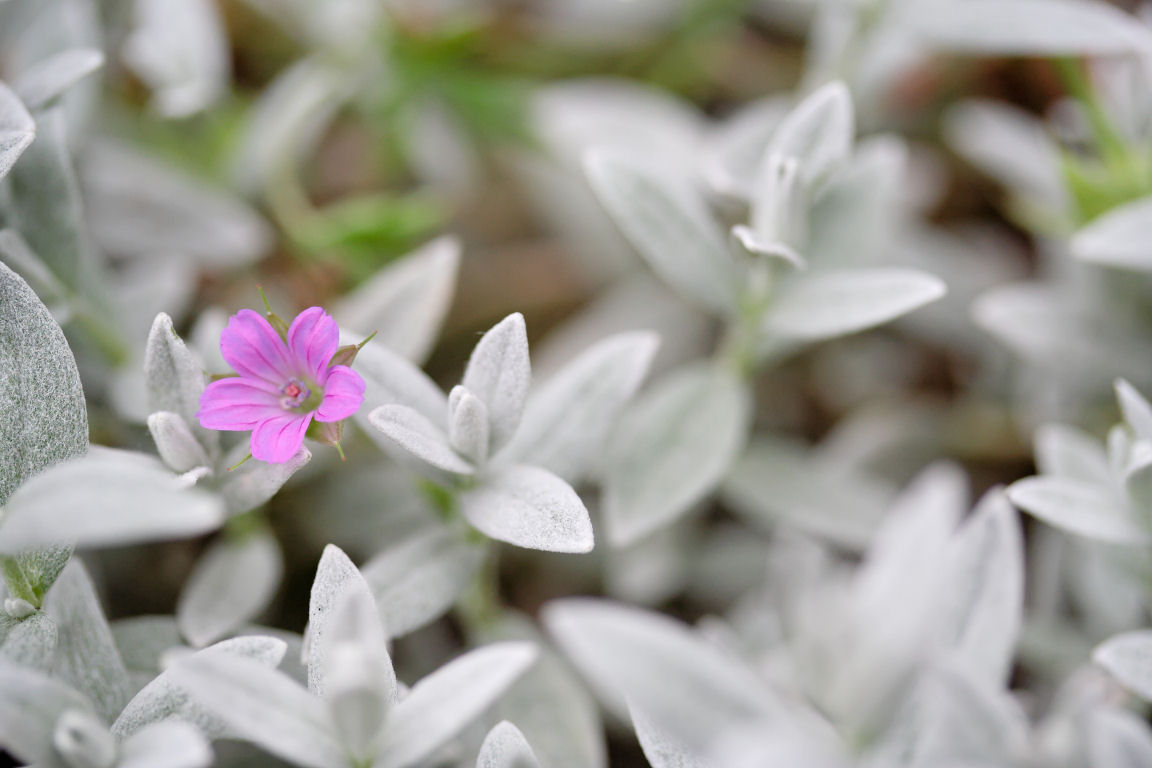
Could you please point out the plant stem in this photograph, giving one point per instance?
(1113, 147)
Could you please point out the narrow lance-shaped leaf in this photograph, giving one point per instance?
(499, 373)
(47, 80)
(506, 747)
(443, 703)
(1128, 657)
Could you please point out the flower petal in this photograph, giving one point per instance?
(313, 338)
(276, 440)
(253, 348)
(343, 394)
(237, 404)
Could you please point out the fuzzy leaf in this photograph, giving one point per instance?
(406, 302)
(43, 418)
(391, 379)
(163, 698)
(418, 436)
(1068, 452)
(107, 497)
(669, 224)
(336, 577)
(175, 443)
(254, 482)
(417, 580)
(499, 373)
(175, 380)
(670, 449)
(567, 420)
(17, 129)
(468, 425)
(86, 654)
(529, 507)
(30, 642)
(1081, 508)
(506, 747)
(822, 305)
(47, 80)
(231, 584)
(263, 706)
(449, 699)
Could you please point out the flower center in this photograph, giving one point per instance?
(295, 394)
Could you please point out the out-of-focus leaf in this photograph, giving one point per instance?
(417, 580)
(568, 418)
(30, 703)
(405, 303)
(180, 49)
(1118, 739)
(142, 207)
(17, 129)
(86, 654)
(166, 745)
(47, 209)
(108, 497)
(1118, 238)
(671, 227)
(44, 418)
(822, 305)
(671, 448)
(529, 507)
(1082, 508)
(985, 603)
(684, 684)
(47, 80)
(231, 584)
(1009, 27)
(1128, 657)
(818, 132)
(776, 481)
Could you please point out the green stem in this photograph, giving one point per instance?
(480, 606)
(17, 581)
(742, 340)
(1113, 147)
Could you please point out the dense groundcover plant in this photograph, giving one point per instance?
(683, 383)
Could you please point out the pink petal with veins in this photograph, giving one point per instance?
(276, 440)
(343, 394)
(313, 338)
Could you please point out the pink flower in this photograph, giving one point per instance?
(281, 386)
